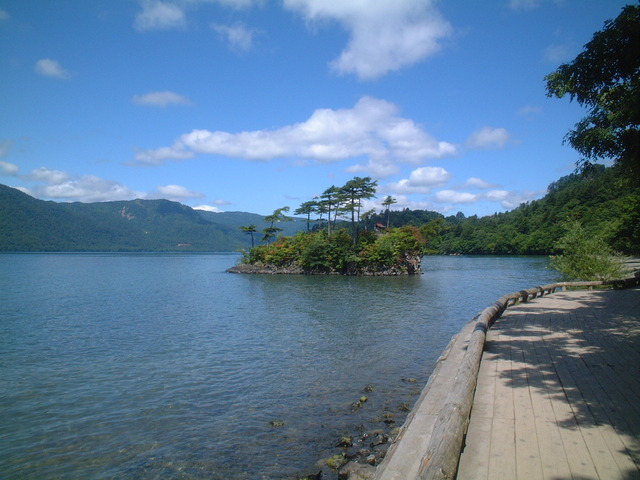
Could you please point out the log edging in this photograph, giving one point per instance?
(440, 460)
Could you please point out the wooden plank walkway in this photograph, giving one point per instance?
(558, 393)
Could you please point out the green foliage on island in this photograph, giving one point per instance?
(396, 251)
(329, 250)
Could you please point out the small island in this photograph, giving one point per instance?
(394, 252)
(349, 247)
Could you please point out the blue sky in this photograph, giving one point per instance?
(252, 105)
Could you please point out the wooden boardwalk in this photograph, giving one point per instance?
(558, 393)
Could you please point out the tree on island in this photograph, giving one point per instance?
(307, 208)
(366, 217)
(329, 203)
(605, 78)
(250, 229)
(271, 231)
(387, 202)
(352, 194)
(395, 251)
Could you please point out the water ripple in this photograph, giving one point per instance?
(152, 366)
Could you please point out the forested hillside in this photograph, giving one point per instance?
(602, 199)
(28, 225)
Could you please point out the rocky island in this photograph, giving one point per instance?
(396, 251)
(351, 247)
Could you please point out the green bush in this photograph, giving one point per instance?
(316, 252)
(586, 255)
(318, 255)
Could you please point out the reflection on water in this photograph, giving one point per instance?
(165, 366)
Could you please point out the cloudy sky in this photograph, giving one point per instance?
(252, 105)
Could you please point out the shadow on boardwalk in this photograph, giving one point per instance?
(558, 395)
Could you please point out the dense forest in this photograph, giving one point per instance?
(604, 200)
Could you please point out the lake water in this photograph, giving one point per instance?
(164, 366)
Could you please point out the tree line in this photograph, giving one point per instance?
(325, 210)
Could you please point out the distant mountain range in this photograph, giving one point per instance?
(31, 225)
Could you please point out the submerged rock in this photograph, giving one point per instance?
(314, 476)
(356, 471)
(380, 439)
(265, 269)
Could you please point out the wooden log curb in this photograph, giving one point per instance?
(437, 439)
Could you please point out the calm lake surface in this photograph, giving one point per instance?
(164, 366)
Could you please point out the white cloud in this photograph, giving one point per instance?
(87, 188)
(51, 68)
(421, 180)
(4, 15)
(171, 14)
(512, 199)
(385, 35)
(488, 137)
(403, 202)
(49, 176)
(475, 182)
(497, 195)
(429, 176)
(372, 128)
(451, 196)
(174, 192)
(208, 208)
(378, 168)
(8, 169)
(63, 186)
(240, 38)
(161, 99)
(161, 155)
(157, 15)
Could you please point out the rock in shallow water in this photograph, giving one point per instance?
(356, 471)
